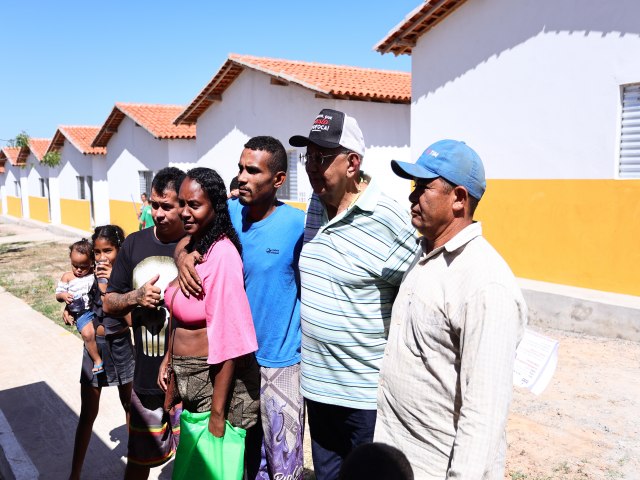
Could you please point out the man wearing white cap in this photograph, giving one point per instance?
(446, 379)
(358, 242)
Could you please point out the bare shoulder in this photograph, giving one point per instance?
(67, 277)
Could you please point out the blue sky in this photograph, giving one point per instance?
(68, 62)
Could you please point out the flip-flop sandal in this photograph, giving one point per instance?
(99, 368)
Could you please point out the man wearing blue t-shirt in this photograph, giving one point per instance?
(271, 233)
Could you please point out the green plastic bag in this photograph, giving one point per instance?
(203, 456)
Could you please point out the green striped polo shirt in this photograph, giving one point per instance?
(350, 270)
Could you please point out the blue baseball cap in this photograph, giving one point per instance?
(450, 159)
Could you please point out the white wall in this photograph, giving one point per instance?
(182, 153)
(251, 106)
(7, 187)
(34, 172)
(54, 195)
(11, 174)
(533, 86)
(55, 191)
(100, 189)
(125, 151)
(73, 164)
(132, 149)
(24, 186)
(3, 188)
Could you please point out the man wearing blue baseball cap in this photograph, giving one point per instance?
(446, 378)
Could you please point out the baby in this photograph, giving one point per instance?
(73, 289)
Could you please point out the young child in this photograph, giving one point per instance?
(113, 339)
(73, 289)
(107, 240)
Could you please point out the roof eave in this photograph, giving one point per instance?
(57, 142)
(429, 14)
(23, 154)
(109, 127)
(204, 99)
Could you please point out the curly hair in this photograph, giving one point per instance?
(82, 246)
(111, 233)
(215, 190)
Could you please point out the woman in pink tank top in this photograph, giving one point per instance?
(213, 337)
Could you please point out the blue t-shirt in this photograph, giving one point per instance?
(270, 252)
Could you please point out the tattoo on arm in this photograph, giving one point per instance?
(119, 304)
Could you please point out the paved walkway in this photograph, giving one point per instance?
(40, 392)
(20, 230)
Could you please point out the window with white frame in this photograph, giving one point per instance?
(81, 188)
(629, 159)
(289, 189)
(16, 187)
(145, 177)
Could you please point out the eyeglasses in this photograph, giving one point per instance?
(317, 159)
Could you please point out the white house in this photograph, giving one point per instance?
(140, 139)
(250, 96)
(78, 186)
(34, 180)
(10, 188)
(548, 93)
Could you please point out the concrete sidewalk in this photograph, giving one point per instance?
(29, 230)
(40, 398)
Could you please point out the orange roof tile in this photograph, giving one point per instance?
(156, 119)
(37, 146)
(330, 81)
(403, 37)
(79, 136)
(10, 153)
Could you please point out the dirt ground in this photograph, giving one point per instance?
(585, 425)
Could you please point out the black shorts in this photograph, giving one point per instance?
(118, 361)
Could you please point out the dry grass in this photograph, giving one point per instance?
(30, 271)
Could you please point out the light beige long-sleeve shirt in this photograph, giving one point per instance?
(447, 375)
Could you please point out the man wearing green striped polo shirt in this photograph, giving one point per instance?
(358, 243)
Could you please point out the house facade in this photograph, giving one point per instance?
(10, 187)
(34, 179)
(77, 186)
(251, 96)
(548, 94)
(139, 139)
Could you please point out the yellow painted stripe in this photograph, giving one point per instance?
(123, 214)
(76, 213)
(39, 209)
(299, 205)
(584, 233)
(14, 206)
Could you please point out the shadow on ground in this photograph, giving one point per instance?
(45, 427)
